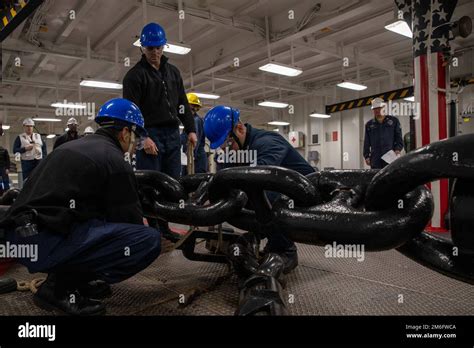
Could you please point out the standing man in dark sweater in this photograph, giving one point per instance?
(4, 169)
(71, 133)
(87, 225)
(157, 88)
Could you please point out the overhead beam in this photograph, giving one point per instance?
(68, 27)
(255, 49)
(248, 7)
(132, 14)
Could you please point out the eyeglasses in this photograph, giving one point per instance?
(229, 141)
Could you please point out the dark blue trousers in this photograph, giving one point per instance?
(200, 164)
(5, 181)
(277, 241)
(112, 252)
(27, 167)
(168, 160)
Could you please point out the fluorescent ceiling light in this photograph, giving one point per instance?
(352, 85)
(281, 69)
(51, 136)
(207, 95)
(279, 123)
(410, 99)
(5, 127)
(181, 49)
(400, 27)
(40, 119)
(101, 84)
(315, 114)
(68, 105)
(272, 104)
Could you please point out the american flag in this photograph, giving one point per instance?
(425, 17)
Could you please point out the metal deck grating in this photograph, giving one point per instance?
(320, 285)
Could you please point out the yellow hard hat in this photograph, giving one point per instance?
(193, 99)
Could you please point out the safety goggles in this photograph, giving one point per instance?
(140, 142)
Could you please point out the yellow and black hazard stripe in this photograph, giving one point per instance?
(366, 101)
(392, 95)
(462, 82)
(7, 15)
(12, 16)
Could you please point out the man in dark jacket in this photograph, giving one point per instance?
(157, 88)
(81, 209)
(200, 156)
(4, 169)
(223, 128)
(71, 133)
(382, 134)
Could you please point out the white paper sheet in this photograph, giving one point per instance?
(390, 156)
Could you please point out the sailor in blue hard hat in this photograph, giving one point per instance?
(81, 207)
(225, 130)
(157, 88)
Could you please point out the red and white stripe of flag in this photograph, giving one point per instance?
(432, 124)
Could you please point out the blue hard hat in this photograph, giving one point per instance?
(121, 112)
(153, 35)
(218, 123)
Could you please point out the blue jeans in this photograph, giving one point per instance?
(111, 251)
(28, 166)
(168, 160)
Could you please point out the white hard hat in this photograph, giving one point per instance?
(72, 120)
(89, 130)
(377, 103)
(28, 122)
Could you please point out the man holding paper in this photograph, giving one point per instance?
(383, 137)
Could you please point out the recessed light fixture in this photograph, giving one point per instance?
(316, 115)
(281, 69)
(352, 85)
(42, 119)
(180, 49)
(279, 123)
(101, 84)
(68, 105)
(273, 104)
(207, 95)
(399, 26)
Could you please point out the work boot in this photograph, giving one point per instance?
(56, 294)
(243, 259)
(289, 256)
(95, 289)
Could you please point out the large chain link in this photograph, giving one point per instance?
(380, 209)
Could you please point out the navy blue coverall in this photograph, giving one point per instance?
(200, 157)
(89, 215)
(274, 150)
(381, 138)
